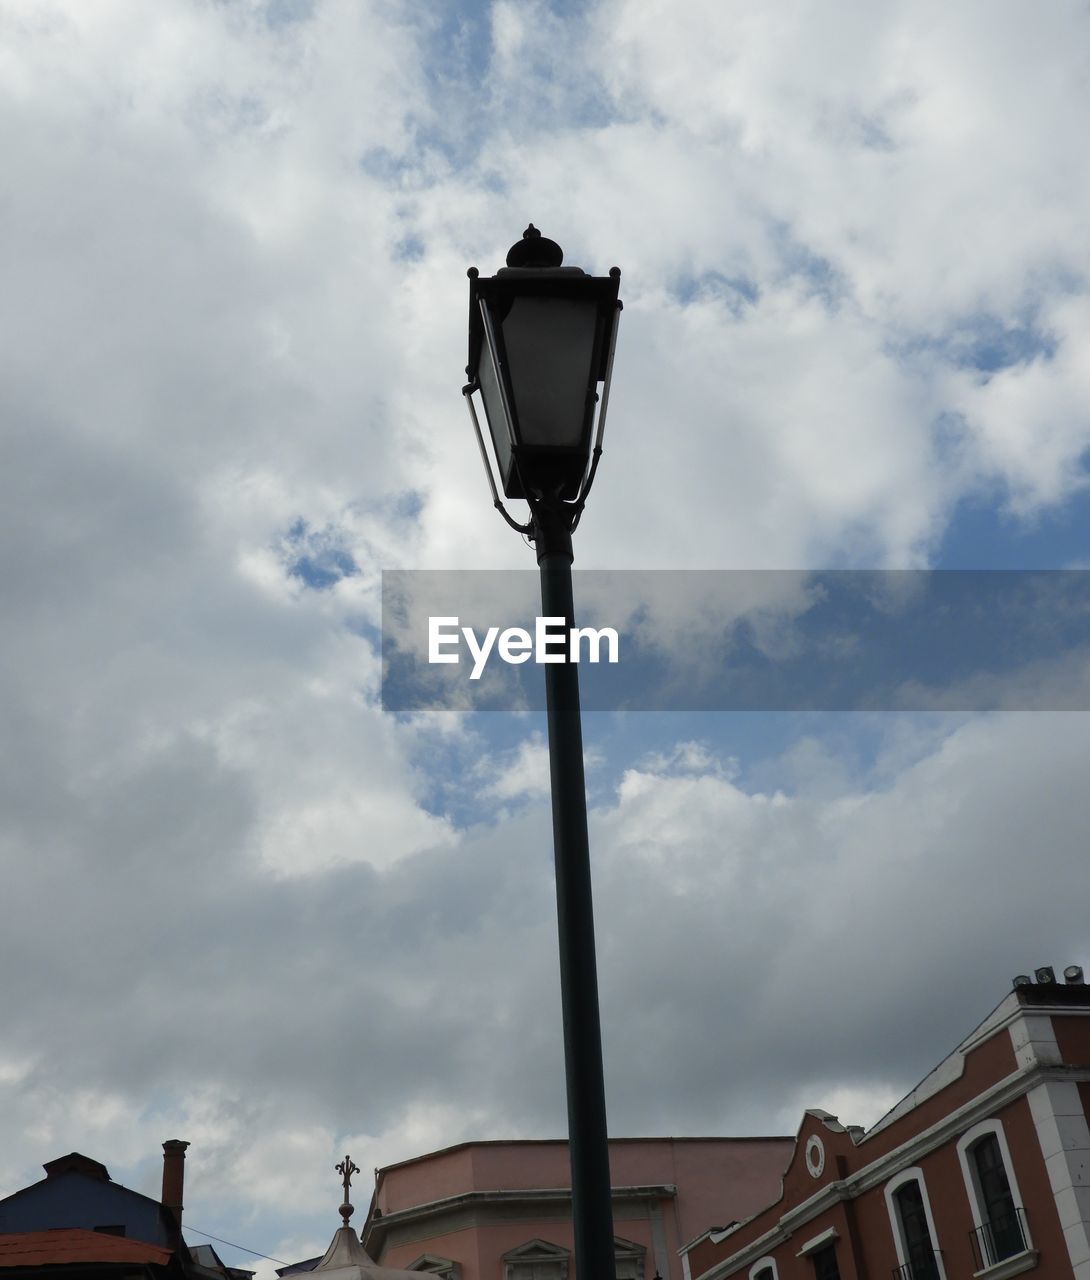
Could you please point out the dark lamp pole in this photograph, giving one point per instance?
(541, 340)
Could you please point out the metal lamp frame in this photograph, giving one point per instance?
(571, 510)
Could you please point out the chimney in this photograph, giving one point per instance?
(174, 1177)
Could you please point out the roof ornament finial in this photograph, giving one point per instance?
(346, 1169)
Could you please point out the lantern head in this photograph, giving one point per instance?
(541, 339)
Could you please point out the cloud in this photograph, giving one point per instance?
(527, 774)
(808, 933)
(802, 215)
(742, 935)
(245, 907)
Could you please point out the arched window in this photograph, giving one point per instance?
(764, 1269)
(998, 1217)
(1004, 1236)
(913, 1228)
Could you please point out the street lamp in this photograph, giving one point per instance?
(541, 341)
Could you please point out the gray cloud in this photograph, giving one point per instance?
(243, 906)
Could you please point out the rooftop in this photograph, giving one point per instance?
(69, 1245)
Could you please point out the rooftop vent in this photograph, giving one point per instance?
(76, 1163)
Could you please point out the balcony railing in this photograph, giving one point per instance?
(1002, 1237)
(924, 1266)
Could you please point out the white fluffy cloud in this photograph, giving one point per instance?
(245, 906)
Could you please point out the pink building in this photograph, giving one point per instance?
(502, 1210)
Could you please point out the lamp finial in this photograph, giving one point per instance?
(535, 250)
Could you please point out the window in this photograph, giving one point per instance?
(919, 1251)
(536, 1260)
(1000, 1229)
(763, 1273)
(431, 1264)
(824, 1261)
(913, 1229)
(628, 1259)
(821, 1250)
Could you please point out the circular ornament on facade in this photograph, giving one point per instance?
(815, 1156)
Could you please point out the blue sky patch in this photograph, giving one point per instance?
(737, 292)
(985, 342)
(283, 13)
(409, 249)
(317, 558)
(824, 278)
(983, 534)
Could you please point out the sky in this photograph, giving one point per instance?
(245, 906)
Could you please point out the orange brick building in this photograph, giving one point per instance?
(983, 1170)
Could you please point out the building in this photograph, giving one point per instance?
(502, 1210)
(76, 1222)
(982, 1170)
(78, 1192)
(70, 1253)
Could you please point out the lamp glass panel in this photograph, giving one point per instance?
(550, 349)
(498, 426)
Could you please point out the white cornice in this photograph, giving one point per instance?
(529, 1196)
